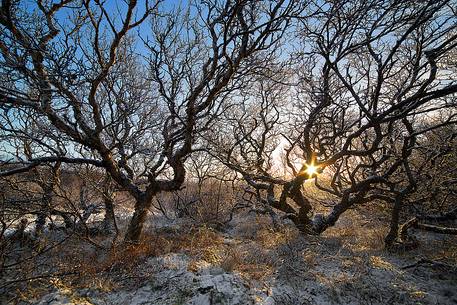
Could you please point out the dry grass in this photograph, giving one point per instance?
(109, 269)
(200, 241)
(271, 239)
(258, 259)
(254, 251)
(253, 256)
(358, 234)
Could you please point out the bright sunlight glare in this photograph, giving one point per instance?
(311, 169)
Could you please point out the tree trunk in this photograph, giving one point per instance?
(109, 221)
(394, 222)
(46, 202)
(135, 226)
(40, 222)
(302, 220)
(322, 223)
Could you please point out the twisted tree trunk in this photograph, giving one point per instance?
(136, 224)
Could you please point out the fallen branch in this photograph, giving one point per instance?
(403, 230)
(414, 223)
(436, 229)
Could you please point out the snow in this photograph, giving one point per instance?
(322, 270)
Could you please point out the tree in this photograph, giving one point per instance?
(364, 77)
(133, 111)
(429, 197)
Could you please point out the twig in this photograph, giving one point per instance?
(42, 276)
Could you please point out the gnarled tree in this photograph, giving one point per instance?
(364, 78)
(122, 94)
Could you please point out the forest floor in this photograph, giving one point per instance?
(246, 262)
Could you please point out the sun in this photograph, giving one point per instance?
(311, 169)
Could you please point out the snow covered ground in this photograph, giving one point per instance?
(250, 264)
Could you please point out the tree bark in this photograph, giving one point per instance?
(394, 222)
(136, 224)
(302, 221)
(109, 221)
(40, 223)
(321, 222)
(46, 202)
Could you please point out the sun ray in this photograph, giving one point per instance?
(311, 169)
